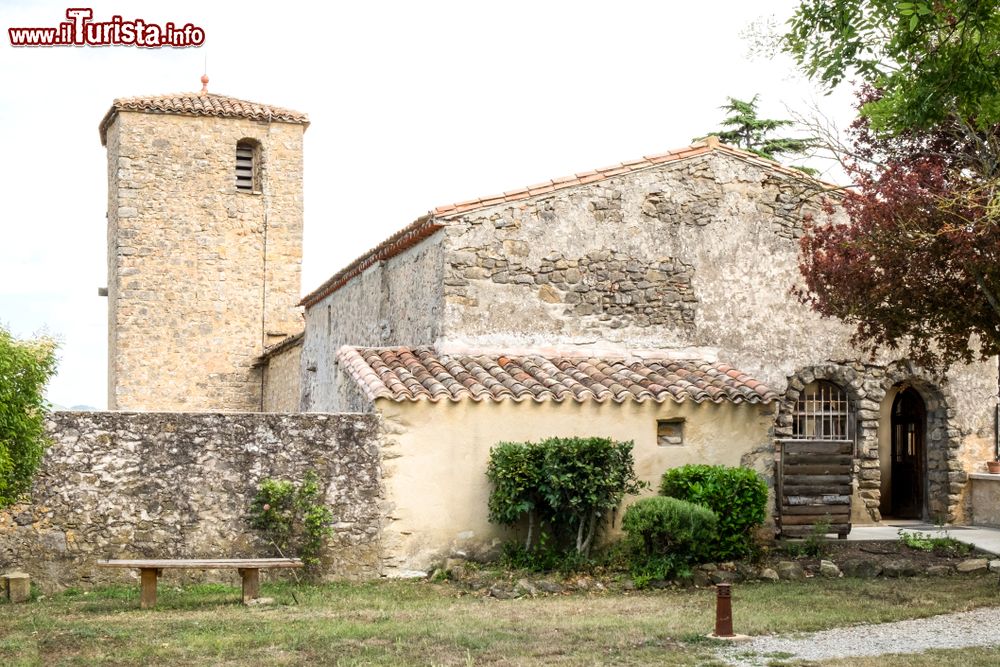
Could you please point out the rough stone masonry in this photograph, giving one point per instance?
(201, 276)
(180, 485)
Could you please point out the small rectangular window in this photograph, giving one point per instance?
(244, 167)
(669, 432)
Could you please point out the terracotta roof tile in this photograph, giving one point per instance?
(419, 373)
(200, 104)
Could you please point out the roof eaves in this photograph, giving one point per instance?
(279, 347)
(406, 238)
(182, 104)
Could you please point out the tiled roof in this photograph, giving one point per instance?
(414, 374)
(433, 221)
(702, 147)
(279, 347)
(200, 104)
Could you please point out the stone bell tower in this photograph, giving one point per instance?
(204, 247)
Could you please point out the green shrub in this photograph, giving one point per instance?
(661, 525)
(292, 518)
(25, 368)
(564, 486)
(665, 536)
(738, 496)
(944, 545)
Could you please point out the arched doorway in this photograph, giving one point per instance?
(909, 455)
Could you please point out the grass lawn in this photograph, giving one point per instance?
(423, 623)
(966, 657)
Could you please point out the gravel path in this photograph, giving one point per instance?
(968, 628)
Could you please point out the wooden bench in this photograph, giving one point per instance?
(249, 569)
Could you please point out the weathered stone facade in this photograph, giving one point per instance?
(611, 287)
(282, 376)
(953, 448)
(693, 256)
(179, 485)
(698, 253)
(395, 302)
(201, 276)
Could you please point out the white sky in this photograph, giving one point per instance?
(412, 104)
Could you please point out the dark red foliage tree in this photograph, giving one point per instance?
(917, 267)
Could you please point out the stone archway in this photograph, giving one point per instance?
(867, 385)
(945, 479)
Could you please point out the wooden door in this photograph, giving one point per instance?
(814, 485)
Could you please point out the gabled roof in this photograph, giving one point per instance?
(200, 104)
(426, 225)
(421, 374)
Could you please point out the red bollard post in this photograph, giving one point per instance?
(723, 611)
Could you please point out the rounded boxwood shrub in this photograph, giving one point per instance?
(665, 536)
(661, 526)
(738, 496)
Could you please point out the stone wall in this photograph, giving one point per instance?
(700, 252)
(282, 377)
(179, 485)
(607, 287)
(396, 302)
(201, 277)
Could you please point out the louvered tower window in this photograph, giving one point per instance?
(246, 167)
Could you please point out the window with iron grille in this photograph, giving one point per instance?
(823, 412)
(247, 158)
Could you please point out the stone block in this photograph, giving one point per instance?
(17, 586)
(790, 571)
(973, 565)
(829, 569)
(900, 568)
(861, 568)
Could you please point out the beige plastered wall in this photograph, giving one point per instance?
(435, 457)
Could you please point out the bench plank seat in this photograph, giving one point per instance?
(249, 569)
(203, 564)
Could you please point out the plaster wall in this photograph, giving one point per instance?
(433, 515)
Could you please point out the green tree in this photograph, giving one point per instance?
(25, 368)
(932, 61)
(925, 161)
(743, 128)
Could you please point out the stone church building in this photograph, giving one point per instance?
(649, 301)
